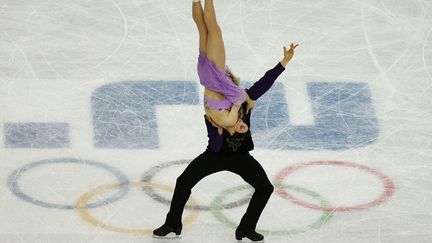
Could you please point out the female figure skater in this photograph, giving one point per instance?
(225, 152)
(222, 95)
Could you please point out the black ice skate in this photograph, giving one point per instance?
(253, 236)
(164, 230)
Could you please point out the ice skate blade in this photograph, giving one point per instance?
(170, 236)
(249, 240)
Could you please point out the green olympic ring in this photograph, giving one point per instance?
(324, 218)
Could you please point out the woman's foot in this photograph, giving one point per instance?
(252, 235)
(165, 230)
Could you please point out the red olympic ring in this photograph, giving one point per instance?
(389, 187)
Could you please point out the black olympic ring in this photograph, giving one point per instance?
(148, 175)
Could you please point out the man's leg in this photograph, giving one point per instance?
(202, 166)
(215, 44)
(252, 172)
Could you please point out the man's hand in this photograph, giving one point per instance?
(288, 54)
(250, 103)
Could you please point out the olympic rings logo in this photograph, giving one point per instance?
(216, 207)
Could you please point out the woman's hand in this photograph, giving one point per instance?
(288, 54)
(220, 129)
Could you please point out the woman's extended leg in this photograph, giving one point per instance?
(198, 17)
(215, 44)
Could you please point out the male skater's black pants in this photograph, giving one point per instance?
(208, 163)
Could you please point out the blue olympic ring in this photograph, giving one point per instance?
(15, 189)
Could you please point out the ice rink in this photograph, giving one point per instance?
(101, 110)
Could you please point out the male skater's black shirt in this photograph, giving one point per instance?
(233, 144)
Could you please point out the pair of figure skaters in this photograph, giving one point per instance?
(227, 117)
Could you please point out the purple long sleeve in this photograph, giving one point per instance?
(261, 86)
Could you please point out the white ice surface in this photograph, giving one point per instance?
(55, 53)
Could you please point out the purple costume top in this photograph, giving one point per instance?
(219, 81)
(220, 143)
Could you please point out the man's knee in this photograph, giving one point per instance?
(265, 188)
(269, 188)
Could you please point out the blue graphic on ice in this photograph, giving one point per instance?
(124, 115)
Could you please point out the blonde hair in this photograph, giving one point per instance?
(234, 78)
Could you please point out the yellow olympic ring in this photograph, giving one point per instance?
(85, 198)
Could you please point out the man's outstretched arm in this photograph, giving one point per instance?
(265, 83)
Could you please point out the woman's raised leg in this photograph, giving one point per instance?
(215, 44)
(198, 17)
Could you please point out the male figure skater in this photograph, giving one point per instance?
(231, 153)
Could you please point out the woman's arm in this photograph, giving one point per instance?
(225, 119)
(214, 124)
